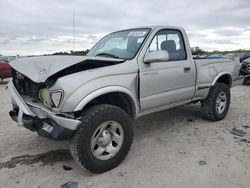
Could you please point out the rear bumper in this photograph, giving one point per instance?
(36, 117)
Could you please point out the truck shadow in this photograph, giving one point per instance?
(163, 121)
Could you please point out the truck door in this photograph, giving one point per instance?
(171, 82)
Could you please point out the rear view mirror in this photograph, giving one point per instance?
(156, 56)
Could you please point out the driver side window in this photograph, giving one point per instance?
(171, 41)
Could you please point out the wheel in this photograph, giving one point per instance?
(103, 139)
(216, 105)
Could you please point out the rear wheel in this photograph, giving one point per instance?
(104, 138)
(216, 105)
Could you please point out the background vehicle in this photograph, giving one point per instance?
(5, 70)
(241, 56)
(245, 70)
(92, 100)
(215, 56)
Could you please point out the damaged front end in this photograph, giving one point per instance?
(35, 105)
(35, 116)
(38, 92)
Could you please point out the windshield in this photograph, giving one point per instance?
(121, 44)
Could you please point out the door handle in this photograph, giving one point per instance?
(187, 69)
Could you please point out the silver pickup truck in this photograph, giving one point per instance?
(92, 100)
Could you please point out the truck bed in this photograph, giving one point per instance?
(208, 69)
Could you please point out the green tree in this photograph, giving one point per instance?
(197, 50)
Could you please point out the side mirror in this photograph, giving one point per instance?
(156, 56)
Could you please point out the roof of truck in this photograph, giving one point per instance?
(158, 27)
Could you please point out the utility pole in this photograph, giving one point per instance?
(73, 31)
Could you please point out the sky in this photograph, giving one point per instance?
(33, 27)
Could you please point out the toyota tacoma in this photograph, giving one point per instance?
(92, 100)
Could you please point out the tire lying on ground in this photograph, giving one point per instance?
(103, 139)
(216, 105)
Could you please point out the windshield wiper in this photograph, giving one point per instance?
(108, 55)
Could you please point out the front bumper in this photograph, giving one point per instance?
(37, 117)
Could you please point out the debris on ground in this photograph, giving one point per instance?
(120, 174)
(238, 132)
(67, 167)
(245, 126)
(202, 162)
(182, 152)
(245, 140)
(70, 184)
(190, 120)
(89, 184)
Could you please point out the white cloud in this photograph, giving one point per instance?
(36, 27)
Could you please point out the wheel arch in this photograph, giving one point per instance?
(114, 95)
(223, 77)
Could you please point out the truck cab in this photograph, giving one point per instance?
(171, 80)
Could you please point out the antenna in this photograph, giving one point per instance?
(73, 31)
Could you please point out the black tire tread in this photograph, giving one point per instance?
(208, 104)
(76, 148)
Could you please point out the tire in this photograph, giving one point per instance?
(210, 106)
(91, 137)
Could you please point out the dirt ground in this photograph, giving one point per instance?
(174, 148)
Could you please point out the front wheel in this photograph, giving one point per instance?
(103, 139)
(216, 105)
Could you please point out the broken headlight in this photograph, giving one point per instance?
(50, 98)
(44, 96)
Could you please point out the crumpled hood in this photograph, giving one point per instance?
(39, 68)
